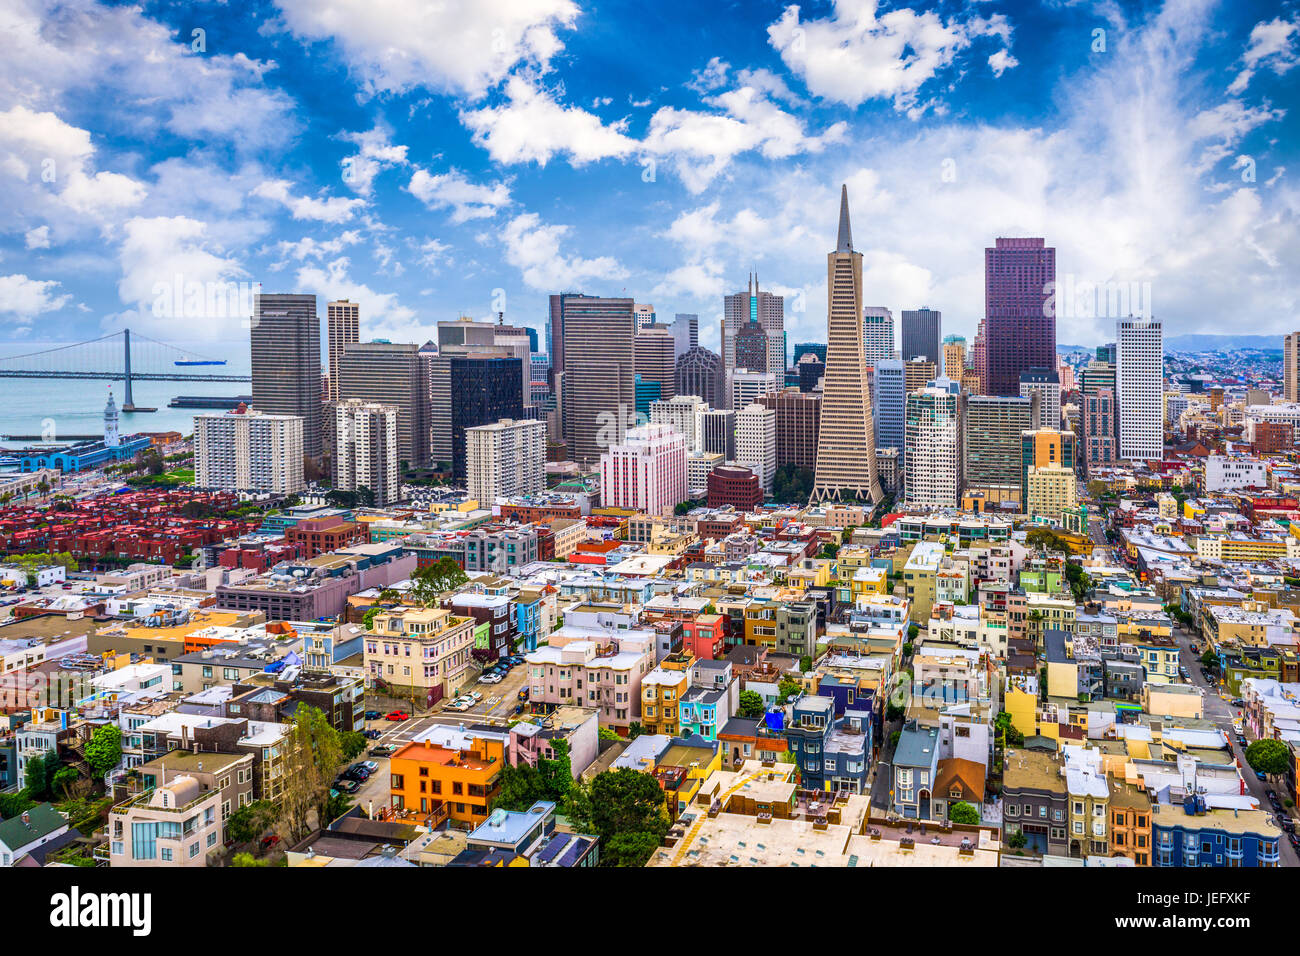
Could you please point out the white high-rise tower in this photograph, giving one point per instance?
(1139, 388)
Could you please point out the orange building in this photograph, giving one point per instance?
(1130, 823)
(460, 784)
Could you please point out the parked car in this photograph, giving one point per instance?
(1294, 838)
(1238, 702)
(370, 765)
(397, 715)
(383, 750)
(373, 714)
(371, 734)
(346, 785)
(475, 696)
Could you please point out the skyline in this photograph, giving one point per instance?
(439, 182)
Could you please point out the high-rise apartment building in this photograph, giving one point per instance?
(655, 358)
(922, 333)
(682, 414)
(1019, 280)
(1045, 448)
(846, 447)
(991, 448)
(1139, 388)
(366, 449)
(248, 450)
(932, 467)
(389, 373)
(1291, 367)
(756, 442)
(646, 471)
(343, 323)
(889, 404)
(699, 372)
(285, 351)
(763, 308)
(954, 357)
(1099, 430)
(798, 417)
(877, 334)
(504, 459)
(1050, 491)
(598, 390)
(1047, 384)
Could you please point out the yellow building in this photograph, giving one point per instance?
(868, 581)
(919, 576)
(1023, 709)
(1172, 700)
(1051, 491)
(1239, 547)
(661, 693)
(423, 653)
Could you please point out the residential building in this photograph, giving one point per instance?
(366, 453)
(505, 459)
(932, 461)
(419, 653)
(250, 450)
(645, 472)
(343, 322)
(1139, 388)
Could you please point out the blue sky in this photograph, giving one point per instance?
(432, 160)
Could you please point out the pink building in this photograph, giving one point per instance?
(647, 472)
(592, 667)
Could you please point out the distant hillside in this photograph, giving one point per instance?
(1203, 343)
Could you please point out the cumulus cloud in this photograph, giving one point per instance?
(534, 248)
(452, 190)
(1274, 44)
(457, 46)
(333, 209)
(22, 299)
(382, 313)
(375, 153)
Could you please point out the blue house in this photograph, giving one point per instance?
(831, 753)
(916, 762)
(1191, 834)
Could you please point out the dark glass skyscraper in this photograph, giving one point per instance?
(485, 390)
(1019, 276)
(922, 330)
(284, 342)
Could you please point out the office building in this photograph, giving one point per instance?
(468, 390)
(505, 459)
(1045, 448)
(877, 334)
(365, 454)
(919, 372)
(682, 414)
(846, 447)
(598, 391)
(749, 387)
(889, 404)
(389, 373)
(656, 360)
(1139, 388)
(699, 372)
(646, 471)
(699, 465)
(756, 442)
(644, 315)
(343, 323)
(922, 333)
(686, 333)
(954, 358)
(718, 432)
(991, 447)
(1047, 384)
(810, 370)
(751, 349)
(1291, 367)
(1018, 332)
(1099, 430)
(735, 486)
(1050, 492)
(285, 352)
(763, 308)
(932, 461)
(798, 417)
(248, 450)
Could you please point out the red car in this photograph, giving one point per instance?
(397, 715)
(270, 841)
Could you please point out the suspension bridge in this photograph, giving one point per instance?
(112, 357)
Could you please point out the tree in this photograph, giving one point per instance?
(1046, 539)
(604, 733)
(634, 730)
(39, 773)
(629, 849)
(368, 618)
(433, 580)
(247, 859)
(1209, 659)
(622, 802)
(12, 804)
(552, 779)
(751, 705)
(389, 596)
(315, 757)
(104, 749)
(250, 821)
(788, 688)
(353, 742)
(805, 663)
(963, 812)
(65, 780)
(1018, 840)
(1271, 757)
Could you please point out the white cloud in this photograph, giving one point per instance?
(434, 254)
(466, 199)
(382, 313)
(1002, 61)
(375, 153)
(38, 238)
(333, 209)
(1275, 44)
(534, 249)
(308, 248)
(857, 55)
(458, 46)
(22, 299)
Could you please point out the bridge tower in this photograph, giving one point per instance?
(128, 401)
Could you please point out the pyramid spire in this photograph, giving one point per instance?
(845, 241)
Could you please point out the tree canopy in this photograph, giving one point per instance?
(104, 749)
(433, 580)
(751, 705)
(963, 812)
(1271, 757)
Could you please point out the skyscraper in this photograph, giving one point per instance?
(754, 305)
(1099, 430)
(655, 359)
(390, 373)
(889, 404)
(846, 448)
(1047, 384)
(285, 350)
(343, 322)
(686, 333)
(1019, 276)
(756, 442)
(699, 372)
(933, 458)
(751, 349)
(1139, 388)
(877, 334)
(954, 357)
(718, 433)
(598, 391)
(246, 450)
(365, 449)
(1291, 367)
(922, 331)
(798, 417)
(470, 389)
(991, 446)
(646, 471)
(504, 459)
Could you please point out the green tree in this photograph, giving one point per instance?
(963, 812)
(604, 733)
(38, 774)
(12, 804)
(1018, 840)
(629, 849)
(250, 821)
(433, 580)
(247, 859)
(315, 758)
(352, 742)
(788, 687)
(805, 663)
(551, 779)
(1271, 757)
(622, 803)
(635, 730)
(104, 749)
(751, 705)
(1209, 659)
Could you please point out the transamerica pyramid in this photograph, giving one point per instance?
(846, 444)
